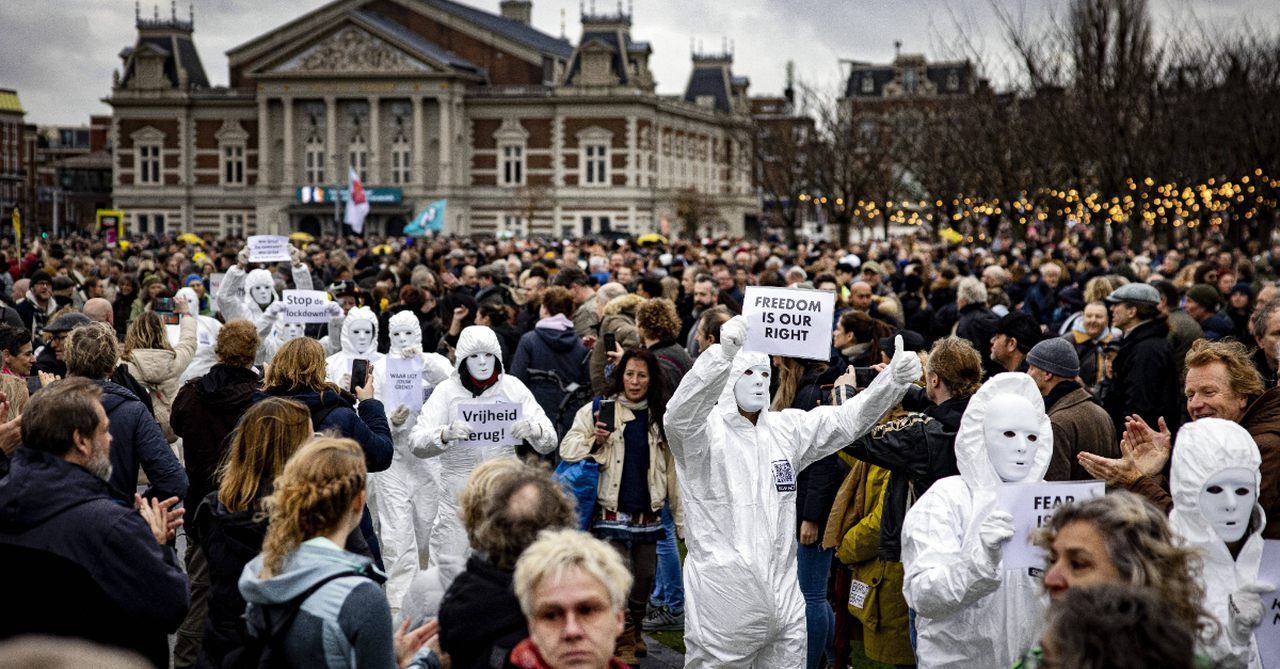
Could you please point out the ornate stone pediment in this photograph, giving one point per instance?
(352, 50)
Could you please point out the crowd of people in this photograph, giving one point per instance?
(185, 458)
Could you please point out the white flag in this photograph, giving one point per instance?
(357, 204)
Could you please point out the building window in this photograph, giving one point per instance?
(514, 226)
(233, 225)
(909, 80)
(953, 81)
(512, 164)
(315, 160)
(868, 83)
(233, 165)
(358, 157)
(400, 161)
(150, 224)
(595, 165)
(149, 164)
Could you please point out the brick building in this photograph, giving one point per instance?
(524, 133)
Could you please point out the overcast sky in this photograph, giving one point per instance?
(59, 54)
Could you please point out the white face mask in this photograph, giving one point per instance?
(404, 337)
(1012, 433)
(480, 366)
(261, 294)
(1226, 501)
(362, 336)
(751, 390)
(291, 331)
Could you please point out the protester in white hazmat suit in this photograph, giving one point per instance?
(404, 496)
(359, 342)
(737, 462)
(971, 611)
(207, 329)
(477, 378)
(247, 297)
(1214, 480)
(274, 333)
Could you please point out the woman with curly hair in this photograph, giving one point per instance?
(1122, 538)
(343, 619)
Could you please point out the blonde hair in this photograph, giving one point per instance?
(299, 364)
(483, 481)
(312, 496)
(15, 389)
(147, 332)
(269, 433)
(790, 372)
(1235, 356)
(556, 552)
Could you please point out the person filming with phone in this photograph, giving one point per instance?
(623, 434)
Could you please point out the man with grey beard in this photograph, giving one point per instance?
(82, 564)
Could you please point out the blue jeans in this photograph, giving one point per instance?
(812, 568)
(668, 585)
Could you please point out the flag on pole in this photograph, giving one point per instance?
(430, 219)
(357, 204)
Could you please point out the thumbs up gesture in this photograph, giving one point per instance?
(905, 366)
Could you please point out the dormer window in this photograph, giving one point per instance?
(953, 81)
(868, 83)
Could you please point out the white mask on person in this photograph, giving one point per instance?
(1012, 433)
(751, 390)
(291, 331)
(481, 365)
(362, 336)
(404, 337)
(261, 294)
(1226, 501)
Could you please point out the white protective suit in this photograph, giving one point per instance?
(743, 606)
(1204, 448)
(440, 413)
(404, 497)
(338, 365)
(207, 329)
(970, 612)
(235, 296)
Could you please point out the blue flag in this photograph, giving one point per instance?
(430, 220)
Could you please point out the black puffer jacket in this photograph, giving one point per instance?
(546, 351)
(918, 450)
(204, 413)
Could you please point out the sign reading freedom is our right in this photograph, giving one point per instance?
(794, 322)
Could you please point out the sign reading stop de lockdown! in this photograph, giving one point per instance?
(305, 306)
(794, 322)
(268, 248)
(490, 423)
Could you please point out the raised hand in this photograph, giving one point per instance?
(732, 334)
(905, 366)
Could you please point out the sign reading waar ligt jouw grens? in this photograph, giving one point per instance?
(490, 423)
(794, 322)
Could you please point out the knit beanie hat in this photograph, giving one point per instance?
(1056, 356)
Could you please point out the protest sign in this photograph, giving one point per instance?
(305, 306)
(404, 383)
(490, 423)
(1268, 633)
(1031, 505)
(794, 322)
(268, 248)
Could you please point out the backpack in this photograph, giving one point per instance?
(261, 652)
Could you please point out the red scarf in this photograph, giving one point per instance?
(525, 656)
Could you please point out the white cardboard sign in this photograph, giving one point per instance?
(1031, 505)
(404, 383)
(305, 306)
(794, 322)
(490, 422)
(268, 248)
(215, 282)
(1268, 633)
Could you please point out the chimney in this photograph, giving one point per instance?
(518, 10)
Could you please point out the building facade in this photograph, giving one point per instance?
(17, 156)
(523, 133)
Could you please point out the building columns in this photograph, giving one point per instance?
(331, 140)
(264, 142)
(374, 173)
(419, 142)
(445, 178)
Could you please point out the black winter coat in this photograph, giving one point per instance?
(82, 565)
(918, 450)
(205, 412)
(978, 324)
(1144, 378)
(543, 351)
(480, 616)
(136, 440)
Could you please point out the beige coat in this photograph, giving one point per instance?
(579, 442)
(158, 370)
